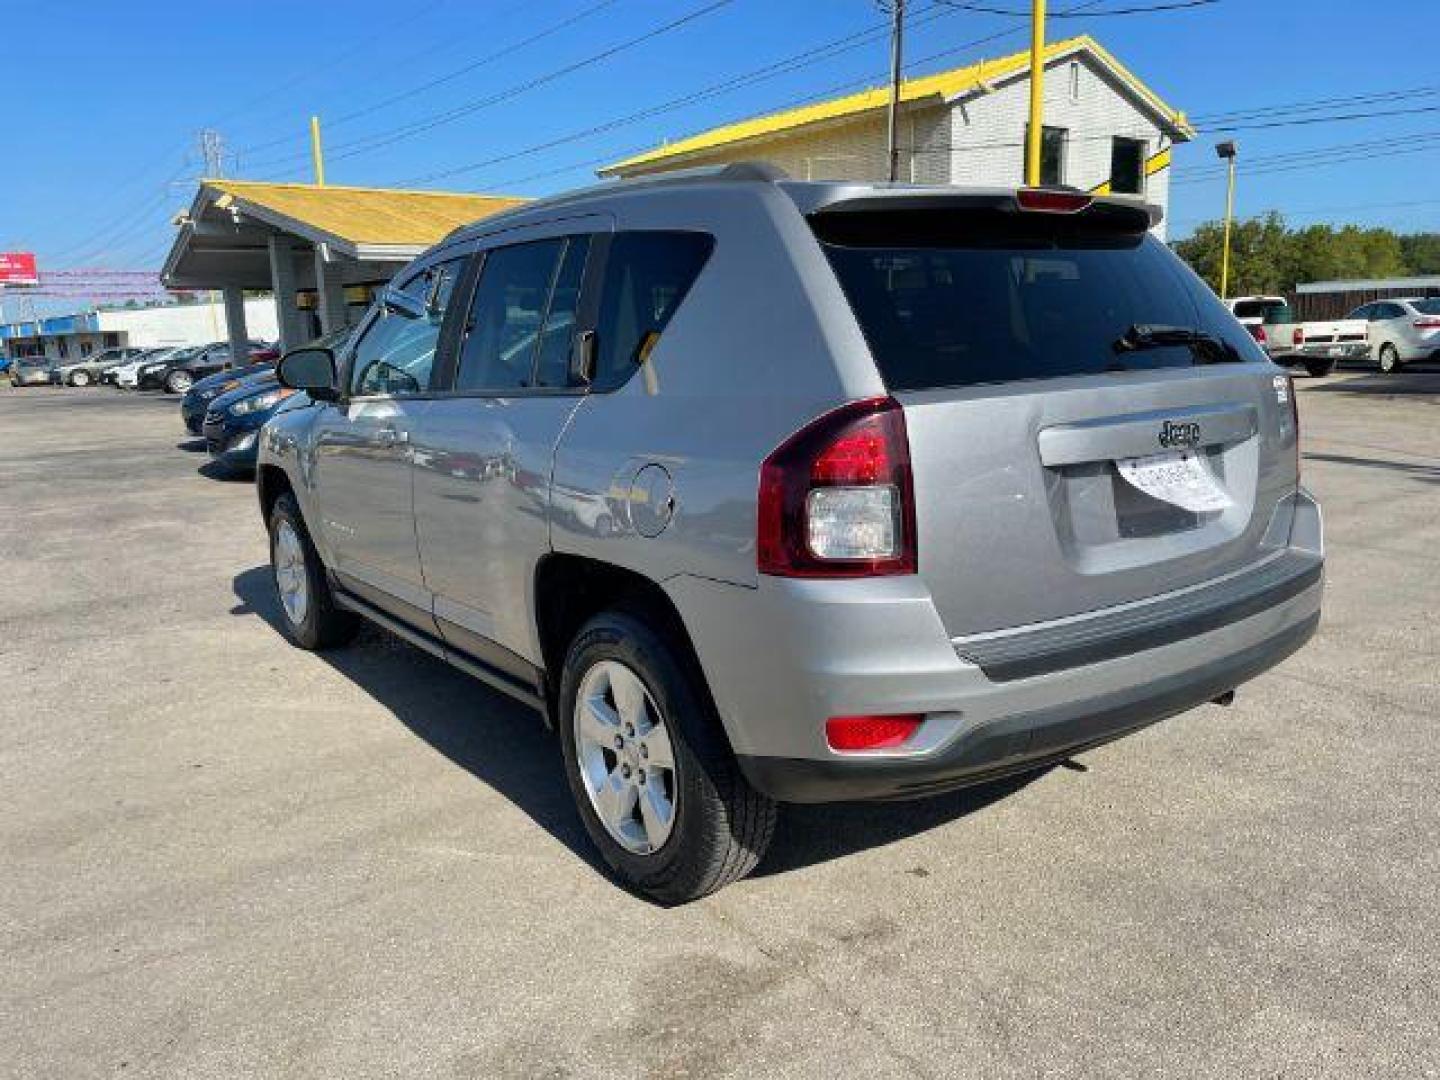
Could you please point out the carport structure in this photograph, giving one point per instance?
(282, 238)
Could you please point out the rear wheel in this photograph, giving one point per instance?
(177, 382)
(656, 785)
(1318, 369)
(1389, 359)
(306, 605)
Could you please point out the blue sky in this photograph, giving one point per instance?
(100, 147)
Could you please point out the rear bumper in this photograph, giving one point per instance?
(782, 658)
(1350, 350)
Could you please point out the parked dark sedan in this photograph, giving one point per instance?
(183, 375)
(151, 376)
(234, 419)
(202, 392)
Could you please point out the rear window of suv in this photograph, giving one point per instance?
(949, 298)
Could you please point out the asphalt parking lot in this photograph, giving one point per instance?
(223, 857)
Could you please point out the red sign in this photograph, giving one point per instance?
(18, 268)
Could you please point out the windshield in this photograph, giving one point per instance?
(1014, 300)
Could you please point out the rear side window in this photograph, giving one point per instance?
(504, 327)
(647, 275)
(947, 299)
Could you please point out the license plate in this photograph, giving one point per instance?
(1179, 477)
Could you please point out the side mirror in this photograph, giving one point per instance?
(398, 302)
(311, 370)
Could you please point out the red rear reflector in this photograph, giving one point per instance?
(1298, 337)
(870, 732)
(1052, 202)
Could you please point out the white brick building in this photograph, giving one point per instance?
(1105, 129)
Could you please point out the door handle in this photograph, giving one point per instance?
(389, 436)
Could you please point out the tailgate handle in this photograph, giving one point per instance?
(1140, 434)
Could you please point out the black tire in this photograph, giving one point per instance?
(1389, 359)
(1318, 369)
(177, 382)
(722, 826)
(324, 625)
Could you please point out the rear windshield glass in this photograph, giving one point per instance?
(948, 299)
(1272, 311)
(1428, 307)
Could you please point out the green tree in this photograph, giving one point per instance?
(1421, 252)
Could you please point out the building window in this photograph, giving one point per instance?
(1052, 154)
(1074, 80)
(1127, 166)
(112, 340)
(64, 348)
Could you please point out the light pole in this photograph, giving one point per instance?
(897, 39)
(1037, 93)
(1227, 151)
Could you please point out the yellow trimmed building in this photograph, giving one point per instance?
(1105, 130)
(319, 250)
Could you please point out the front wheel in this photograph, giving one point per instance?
(307, 607)
(657, 787)
(177, 382)
(80, 378)
(1389, 359)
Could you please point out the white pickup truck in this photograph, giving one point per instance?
(1318, 346)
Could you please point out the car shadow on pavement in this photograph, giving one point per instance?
(213, 470)
(191, 446)
(1428, 473)
(505, 745)
(1415, 379)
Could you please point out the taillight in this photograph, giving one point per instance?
(1298, 338)
(1052, 202)
(1426, 324)
(1258, 332)
(837, 498)
(851, 733)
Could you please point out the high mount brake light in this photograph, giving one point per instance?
(1045, 201)
(837, 498)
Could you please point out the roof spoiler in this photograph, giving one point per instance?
(1124, 212)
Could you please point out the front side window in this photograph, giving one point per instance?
(647, 275)
(504, 327)
(397, 351)
(1127, 166)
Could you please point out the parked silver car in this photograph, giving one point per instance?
(1402, 331)
(761, 490)
(31, 371)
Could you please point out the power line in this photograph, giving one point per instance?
(983, 9)
(745, 79)
(414, 91)
(406, 131)
(784, 66)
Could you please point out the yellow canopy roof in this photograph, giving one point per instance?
(365, 216)
(944, 85)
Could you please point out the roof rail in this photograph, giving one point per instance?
(734, 172)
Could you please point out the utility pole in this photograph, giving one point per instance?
(1228, 151)
(212, 152)
(1037, 93)
(317, 153)
(897, 42)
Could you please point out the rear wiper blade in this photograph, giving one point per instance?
(1207, 347)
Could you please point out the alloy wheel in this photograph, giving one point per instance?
(290, 575)
(625, 757)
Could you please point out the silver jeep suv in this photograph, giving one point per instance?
(765, 491)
